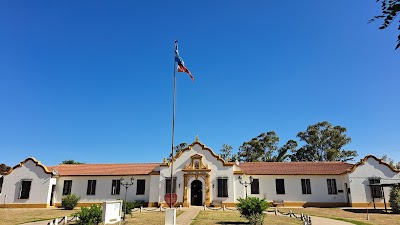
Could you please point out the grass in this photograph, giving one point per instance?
(20, 216)
(355, 216)
(233, 217)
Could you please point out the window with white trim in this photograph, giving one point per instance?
(115, 187)
(306, 186)
(91, 187)
(67, 187)
(25, 189)
(332, 189)
(222, 187)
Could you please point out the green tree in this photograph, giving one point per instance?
(394, 199)
(390, 10)
(4, 168)
(390, 161)
(70, 161)
(178, 149)
(323, 142)
(226, 152)
(264, 148)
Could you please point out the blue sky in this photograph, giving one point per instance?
(92, 80)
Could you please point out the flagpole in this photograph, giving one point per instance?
(173, 129)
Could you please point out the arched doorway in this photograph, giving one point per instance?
(196, 193)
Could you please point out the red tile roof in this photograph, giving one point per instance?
(104, 169)
(295, 168)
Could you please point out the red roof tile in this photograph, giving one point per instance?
(295, 168)
(104, 169)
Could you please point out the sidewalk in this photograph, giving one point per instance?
(315, 220)
(188, 215)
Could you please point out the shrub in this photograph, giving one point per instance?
(252, 208)
(89, 216)
(130, 206)
(394, 199)
(69, 201)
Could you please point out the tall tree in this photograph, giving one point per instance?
(390, 161)
(390, 10)
(4, 168)
(226, 152)
(71, 161)
(265, 148)
(323, 142)
(178, 149)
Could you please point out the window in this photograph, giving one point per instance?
(115, 187)
(255, 187)
(25, 189)
(1, 183)
(332, 190)
(222, 187)
(376, 191)
(280, 186)
(67, 187)
(168, 185)
(141, 184)
(306, 186)
(91, 187)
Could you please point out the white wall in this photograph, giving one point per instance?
(40, 186)
(360, 191)
(293, 188)
(103, 188)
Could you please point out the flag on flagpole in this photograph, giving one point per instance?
(181, 64)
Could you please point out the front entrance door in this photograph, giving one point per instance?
(197, 193)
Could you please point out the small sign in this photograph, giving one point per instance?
(112, 211)
(170, 199)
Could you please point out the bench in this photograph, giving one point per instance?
(277, 203)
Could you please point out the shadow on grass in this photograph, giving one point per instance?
(370, 211)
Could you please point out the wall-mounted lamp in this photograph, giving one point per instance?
(213, 185)
(179, 185)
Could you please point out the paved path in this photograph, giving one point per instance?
(188, 215)
(321, 220)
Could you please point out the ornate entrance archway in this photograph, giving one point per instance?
(196, 169)
(196, 193)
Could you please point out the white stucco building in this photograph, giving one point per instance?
(202, 177)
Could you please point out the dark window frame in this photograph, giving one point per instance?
(306, 186)
(115, 187)
(376, 191)
(141, 187)
(222, 187)
(1, 183)
(332, 188)
(67, 187)
(255, 187)
(280, 186)
(91, 187)
(168, 185)
(26, 186)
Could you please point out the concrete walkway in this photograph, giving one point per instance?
(315, 220)
(321, 221)
(188, 215)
